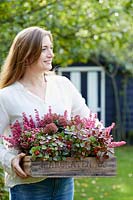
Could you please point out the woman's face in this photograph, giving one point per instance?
(44, 63)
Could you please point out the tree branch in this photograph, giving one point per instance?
(11, 18)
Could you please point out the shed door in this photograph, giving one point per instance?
(90, 81)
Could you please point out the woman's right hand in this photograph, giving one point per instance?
(15, 163)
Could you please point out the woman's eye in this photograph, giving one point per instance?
(43, 49)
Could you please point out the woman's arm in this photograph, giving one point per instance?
(8, 159)
(79, 106)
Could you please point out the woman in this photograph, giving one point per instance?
(26, 86)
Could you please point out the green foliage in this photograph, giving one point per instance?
(80, 28)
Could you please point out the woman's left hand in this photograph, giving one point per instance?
(16, 165)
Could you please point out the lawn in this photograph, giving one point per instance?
(115, 188)
(109, 188)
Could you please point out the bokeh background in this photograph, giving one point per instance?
(93, 43)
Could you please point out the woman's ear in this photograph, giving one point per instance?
(29, 61)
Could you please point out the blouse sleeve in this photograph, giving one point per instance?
(5, 154)
(79, 106)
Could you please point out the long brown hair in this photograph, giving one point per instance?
(25, 49)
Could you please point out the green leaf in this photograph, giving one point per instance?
(43, 147)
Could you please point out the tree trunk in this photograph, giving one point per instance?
(118, 111)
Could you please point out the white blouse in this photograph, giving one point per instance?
(15, 99)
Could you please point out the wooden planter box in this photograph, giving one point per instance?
(70, 168)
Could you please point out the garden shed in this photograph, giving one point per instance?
(112, 104)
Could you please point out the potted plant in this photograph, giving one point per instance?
(66, 147)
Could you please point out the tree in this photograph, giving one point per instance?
(83, 31)
(80, 29)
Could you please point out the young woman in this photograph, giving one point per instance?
(26, 86)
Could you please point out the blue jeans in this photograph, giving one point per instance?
(48, 189)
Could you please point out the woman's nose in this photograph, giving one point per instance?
(50, 54)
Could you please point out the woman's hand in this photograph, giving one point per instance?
(16, 165)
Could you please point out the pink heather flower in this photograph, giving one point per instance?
(37, 115)
(90, 122)
(62, 121)
(65, 114)
(108, 129)
(50, 128)
(16, 132)
(77, 122)
(34, 131)
(117, 144)
(41, 123)
(50, 110)
(26, 122)
(31, 122)
(55, 117)
(47, 119)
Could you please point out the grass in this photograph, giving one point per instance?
(109, 188)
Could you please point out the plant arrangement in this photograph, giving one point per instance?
(54, 137)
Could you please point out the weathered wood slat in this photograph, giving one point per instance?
(70, 168)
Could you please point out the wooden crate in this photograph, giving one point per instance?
(70, 168)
